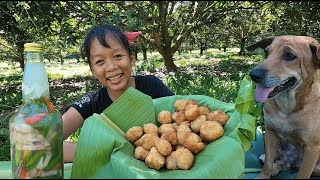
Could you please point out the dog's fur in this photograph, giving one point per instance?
(288, 83)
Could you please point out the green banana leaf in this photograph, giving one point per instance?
(245, 99)
(104, 152)
(245, 102)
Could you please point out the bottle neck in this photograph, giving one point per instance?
(35, 83)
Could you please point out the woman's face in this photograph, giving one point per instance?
(112, 66)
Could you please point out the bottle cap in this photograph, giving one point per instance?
(33, 47)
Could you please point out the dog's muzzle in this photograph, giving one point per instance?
(268, 85)
(258, 75)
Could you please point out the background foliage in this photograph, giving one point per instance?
(195, 47)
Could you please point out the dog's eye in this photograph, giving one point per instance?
(288, 56)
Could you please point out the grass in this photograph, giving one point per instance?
(215, 73)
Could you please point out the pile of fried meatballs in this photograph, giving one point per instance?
(180, 136)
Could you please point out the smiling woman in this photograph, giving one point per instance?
(107, 50)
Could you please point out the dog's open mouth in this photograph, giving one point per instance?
(262, 93)
(287, 84)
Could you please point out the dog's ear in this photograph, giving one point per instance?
(315, 49)
(261, 44)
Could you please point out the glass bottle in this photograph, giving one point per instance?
(36, 127)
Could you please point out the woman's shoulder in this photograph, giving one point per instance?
(148, 81)
(152, 86)
(95, 94)
(148, 77)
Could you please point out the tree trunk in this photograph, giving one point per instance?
(168, 62)
(21, 61)
(61, 60)
(144, 53)
(136, 55)
(242, 47)
(78, 58)
(202, 48)
(21, 55)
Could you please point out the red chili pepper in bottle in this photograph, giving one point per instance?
(35, 118)
(49, 104)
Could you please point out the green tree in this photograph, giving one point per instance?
(166, 24)
(22, 22)
(298, 18)
(249, 20)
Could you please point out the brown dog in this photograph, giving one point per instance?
(288, 83)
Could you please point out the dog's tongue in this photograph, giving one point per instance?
(262, 93)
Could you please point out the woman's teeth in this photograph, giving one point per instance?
(115, 77)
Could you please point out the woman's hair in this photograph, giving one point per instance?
(103, 32)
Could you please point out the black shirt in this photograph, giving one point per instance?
(98, 101)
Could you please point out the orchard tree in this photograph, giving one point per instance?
(22, 22)
(248, 21)
(58, 24)
(298, 18)
(166, 24)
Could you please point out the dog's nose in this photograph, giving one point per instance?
(257, 75)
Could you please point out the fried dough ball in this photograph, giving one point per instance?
(196, 124)
(150, 128)
(182, 133)
(193, 102)
(179, 117)
(191, 112)
(140, 153)
(211, 130)
(164, 117)
(175, 125)
(134, 133)
(147, 140)
(193, 143)
(154, 159)
(179, 146)
(163, 146)
(204, 110)
(180, 104)
(168, 132)
(184, 158)
(171, 137)
(186, 123)
(218, 116)
(171, 163)
(166, 128)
